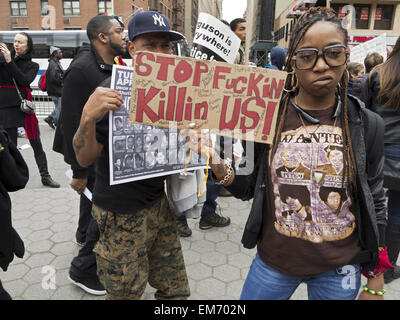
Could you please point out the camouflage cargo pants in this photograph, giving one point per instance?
(137, 248)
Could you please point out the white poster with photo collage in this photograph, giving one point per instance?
(139, 152)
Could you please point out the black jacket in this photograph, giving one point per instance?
(54, 79)
(389, 115)
(370, 199)
(82, 77)
(14, 175)
(24, 71)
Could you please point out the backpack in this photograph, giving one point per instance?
(42, 81)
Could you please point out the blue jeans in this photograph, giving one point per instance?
(57, 109)
(265, 283)
(393, 152)
(212, 194)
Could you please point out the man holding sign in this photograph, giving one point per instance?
(138, 237)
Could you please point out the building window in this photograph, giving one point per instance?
(363, 13)
(18, 8)
(44, 6)
(104, 6)
(71, 8)
(384, 17)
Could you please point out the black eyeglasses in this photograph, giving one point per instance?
(334, 56)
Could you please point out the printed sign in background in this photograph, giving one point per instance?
(140, 152)
(378, 44)
(169, 90)
(214, 40)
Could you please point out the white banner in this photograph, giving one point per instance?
(378, 44)
(214, 40)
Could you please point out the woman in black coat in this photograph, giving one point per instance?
(18, 65)
(14, 175)
(384, 99)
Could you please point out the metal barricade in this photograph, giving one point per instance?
(44, 104)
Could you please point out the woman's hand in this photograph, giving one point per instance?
(5, 52)
(198, 141)
(375, 284)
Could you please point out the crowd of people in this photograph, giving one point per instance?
(320, 209)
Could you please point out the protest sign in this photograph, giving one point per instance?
(138, 152)
(213, 40)
(378, 44)
(169, 90)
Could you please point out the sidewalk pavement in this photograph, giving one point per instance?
(46, 219)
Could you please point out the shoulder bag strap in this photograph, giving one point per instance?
(19, 93)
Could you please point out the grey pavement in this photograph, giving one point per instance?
(46, 219)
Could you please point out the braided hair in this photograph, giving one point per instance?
(306, 20)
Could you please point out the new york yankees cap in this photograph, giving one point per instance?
(145, 22)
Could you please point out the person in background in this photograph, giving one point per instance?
(384, 99)
(361, 84)
(54, 84)
(355, 70)
(91, 66)
(18, 65)
(138, 242)
(278, 56)
(238, 26)
(14, 175)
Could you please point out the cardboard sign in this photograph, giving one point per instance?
(213, 40)
(139, 152)
(175, 91)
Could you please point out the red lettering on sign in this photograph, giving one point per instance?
(180, 104)
(183, 71)
(171, 104)
(223, 125)
(164, 62)
(139, 64)
(252, 87)
(200, 68)
(251, 114)
(275, 88)
(142, 104)
(268, 119)
(218, 76)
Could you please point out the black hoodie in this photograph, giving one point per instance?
(83, 76)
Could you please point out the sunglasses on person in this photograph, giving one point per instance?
(335, 56)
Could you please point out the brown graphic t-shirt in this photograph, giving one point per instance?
(309, 225)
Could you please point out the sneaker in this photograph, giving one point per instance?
(50, 122)
(213, 219)
(92, 286)
(183, 228)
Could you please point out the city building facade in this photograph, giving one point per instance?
(368, 19)
(75, 14)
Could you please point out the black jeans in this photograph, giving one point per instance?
(84, 265)
(35, 144)
(85, 210)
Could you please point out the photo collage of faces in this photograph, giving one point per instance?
(140, 149)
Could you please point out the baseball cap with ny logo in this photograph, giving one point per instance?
(150, 22)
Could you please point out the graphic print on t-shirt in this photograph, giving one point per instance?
(311, 200)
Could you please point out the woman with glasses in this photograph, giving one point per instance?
(325, 246)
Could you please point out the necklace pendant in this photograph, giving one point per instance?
(319, 176)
